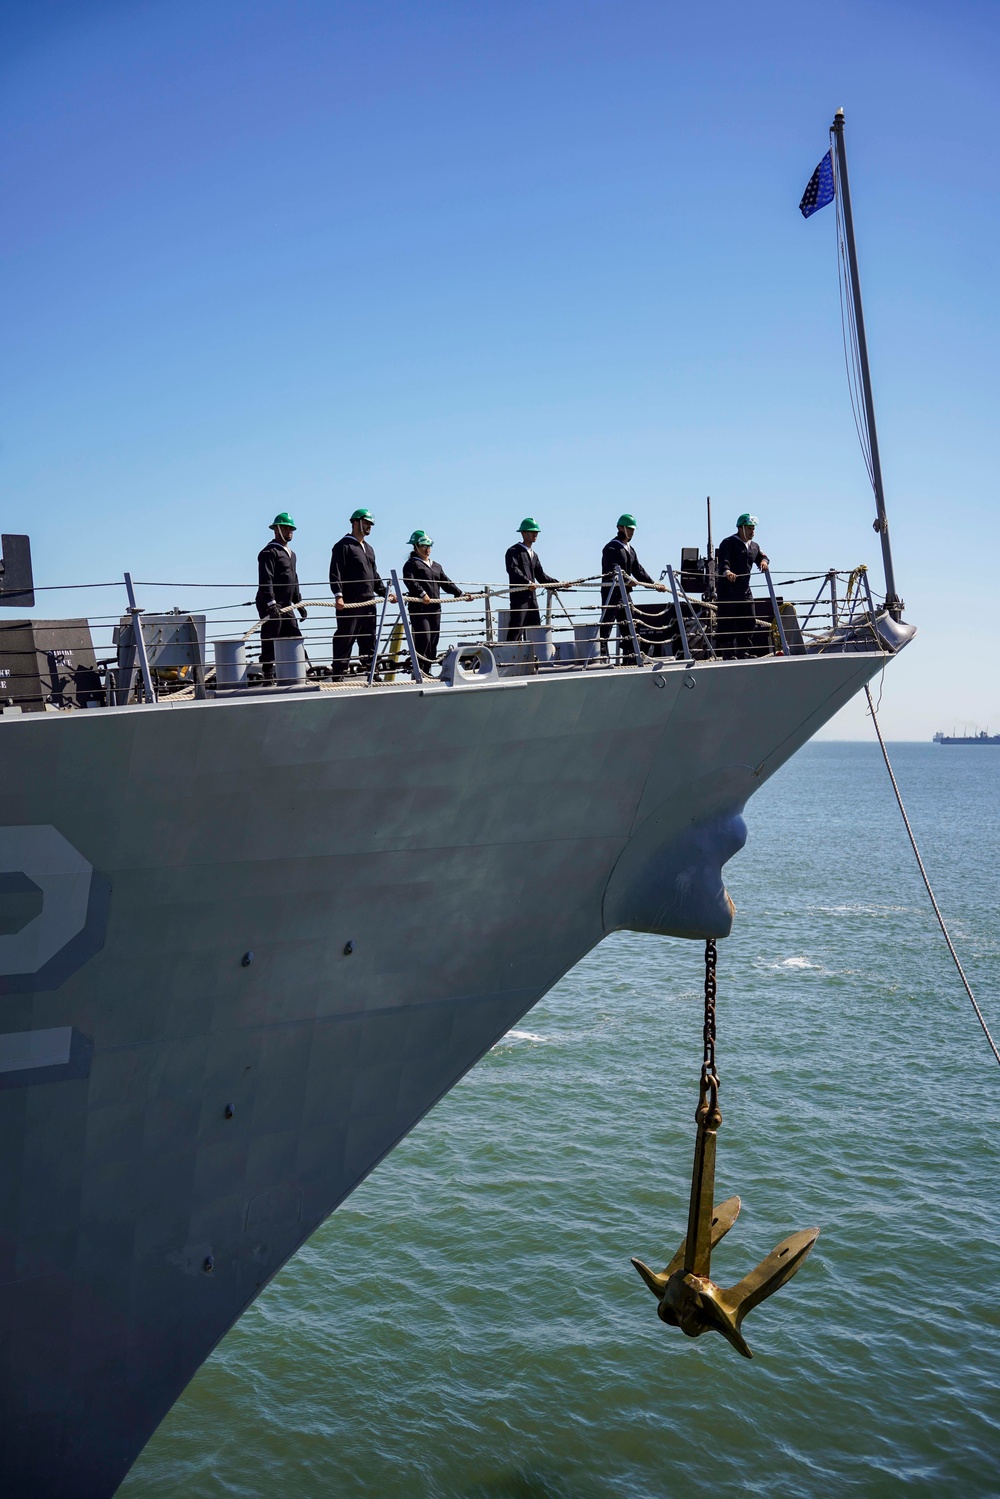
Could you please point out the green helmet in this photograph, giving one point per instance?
(284, 519)
(627, 520)
(746, 519)
(420, 539)
(363, 514)
(529, 524)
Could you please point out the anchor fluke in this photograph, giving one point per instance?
(695, 1304)
(774, 1270)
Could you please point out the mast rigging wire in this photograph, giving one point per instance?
(849, 329)
(927, 883)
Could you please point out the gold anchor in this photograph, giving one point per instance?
(688, 1297)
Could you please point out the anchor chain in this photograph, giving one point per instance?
(708, 1111)
(687, 1296)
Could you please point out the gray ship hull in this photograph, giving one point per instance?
(175, 1121)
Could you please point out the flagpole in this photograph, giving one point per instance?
(893, 601)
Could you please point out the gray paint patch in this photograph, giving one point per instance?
(59, 1054)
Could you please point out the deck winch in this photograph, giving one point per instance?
(688, 1297)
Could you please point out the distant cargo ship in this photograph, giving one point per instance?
(981, 738)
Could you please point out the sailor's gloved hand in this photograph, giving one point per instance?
(303, 613)
(272, 608)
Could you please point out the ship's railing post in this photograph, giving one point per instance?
(378, 637)
(629, 616)
(139, 641)
(871, 607)
(812, 606)
(679, 613)
(404, 618)
(834, 610)
(777, 612)
(695, 620)
(489, 614)
(548, 607)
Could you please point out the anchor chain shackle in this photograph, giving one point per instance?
(708, 1112)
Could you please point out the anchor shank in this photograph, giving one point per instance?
(698, 1248)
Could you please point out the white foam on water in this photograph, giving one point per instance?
(794, 965)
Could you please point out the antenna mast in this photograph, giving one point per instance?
(893, 601)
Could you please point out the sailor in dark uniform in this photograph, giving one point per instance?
(620, 552)
(354, 579)
(524, 572)
(277, 588)
(424, 581)
(738, 555)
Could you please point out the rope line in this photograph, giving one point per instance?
(927, 883)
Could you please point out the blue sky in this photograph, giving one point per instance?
(459, 261)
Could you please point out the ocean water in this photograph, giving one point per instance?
(468, 1324)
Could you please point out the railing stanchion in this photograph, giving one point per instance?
(812, 606)
(679, 615)
(777, 612)
(628, 615)
(139, 640)
(871, 607)
(698, 624)
(489, 615)
(404, 618)
(378, 639)
(834, 610)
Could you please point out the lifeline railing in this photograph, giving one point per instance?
(585, 623)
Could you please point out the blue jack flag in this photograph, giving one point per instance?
(820, 190)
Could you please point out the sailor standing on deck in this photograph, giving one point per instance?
(525, 572)
(735, 560)
(620, 552)
(424, 581)
(277, 589)
(354, 580)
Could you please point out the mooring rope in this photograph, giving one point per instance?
(927, 883)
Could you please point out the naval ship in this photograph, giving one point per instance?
(251, 936)
(251, 933)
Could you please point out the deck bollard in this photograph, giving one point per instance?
(290, 662)
(230, 663)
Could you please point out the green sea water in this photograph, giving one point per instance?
(468, 1324)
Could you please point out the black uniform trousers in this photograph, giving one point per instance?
(737, 632)
(523, 612)
(284, 627)
(425, 627)
(358, 624)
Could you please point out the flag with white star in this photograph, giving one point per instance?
(820, 190)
